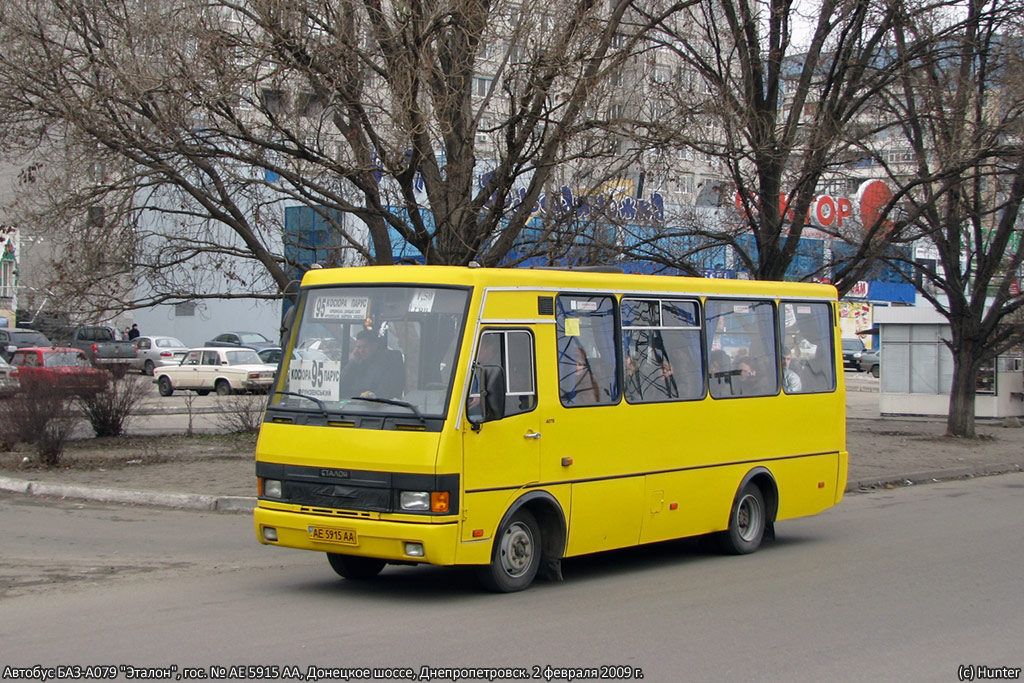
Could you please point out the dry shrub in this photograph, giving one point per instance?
(109, 411)
(40, 415)
(241, 413)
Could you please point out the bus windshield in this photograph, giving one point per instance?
(374, 349)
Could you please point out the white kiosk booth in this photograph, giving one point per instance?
(917, 368)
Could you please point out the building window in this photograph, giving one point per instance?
(6, 279)
(275, 102)
(185, 310)
(96, 217)
(310, 104)
(516, 53)
(481, 86)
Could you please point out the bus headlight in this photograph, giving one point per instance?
(415, 500)
(272, 488)
(425, 501)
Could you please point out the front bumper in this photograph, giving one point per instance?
(377, 538)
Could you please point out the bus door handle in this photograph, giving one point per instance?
(531, 435)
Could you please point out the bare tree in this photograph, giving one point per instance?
(437, 125)
(772, 119)
(960, 107)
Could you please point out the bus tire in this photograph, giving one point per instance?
(353, 567)
(747, 522)
(515, 557)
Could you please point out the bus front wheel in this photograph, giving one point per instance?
(352, 567)
(747, 522)
(516, 555)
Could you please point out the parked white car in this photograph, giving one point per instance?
(156, 352)
(224, 370)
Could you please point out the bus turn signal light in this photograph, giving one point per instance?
(439, 501)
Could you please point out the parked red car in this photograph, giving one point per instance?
(67, 370)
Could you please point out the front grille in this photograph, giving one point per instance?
(337, 496)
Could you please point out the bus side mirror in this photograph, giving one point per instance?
(287, 322)
(490, 404)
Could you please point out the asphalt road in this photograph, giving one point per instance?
(904, 584)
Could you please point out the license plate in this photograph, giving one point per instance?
(330, 535)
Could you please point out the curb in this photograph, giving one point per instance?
(245, 504)
(929, 476)
(183, 501)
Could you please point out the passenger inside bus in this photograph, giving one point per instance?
(719, 374)
(581, 386)
(790, 379)
(682, 373)
(749, 382)
(373, 370)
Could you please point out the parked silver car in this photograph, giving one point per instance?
(156, 352)
(870, 360)
(251, 340)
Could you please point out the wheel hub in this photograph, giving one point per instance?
(516, 550)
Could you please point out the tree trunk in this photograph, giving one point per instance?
(960, 421)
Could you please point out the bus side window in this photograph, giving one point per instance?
(807, 335)
(741, 338)
(661, 350)
(588, 370)
(521, 388)
(512, 351)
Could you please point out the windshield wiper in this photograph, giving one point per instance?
(393, 402)
(318, 402)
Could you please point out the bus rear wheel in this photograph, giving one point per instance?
(747, 522)
(352, 567)
(515, 558)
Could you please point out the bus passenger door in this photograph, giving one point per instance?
(502, 455)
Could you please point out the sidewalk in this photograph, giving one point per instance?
(884, 452)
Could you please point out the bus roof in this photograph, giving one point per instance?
(561, 279)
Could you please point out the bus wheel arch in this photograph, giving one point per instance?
(534, 522)
(752, 513)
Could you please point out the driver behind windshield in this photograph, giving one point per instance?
(373, 370)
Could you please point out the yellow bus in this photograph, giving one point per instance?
(509, 418)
